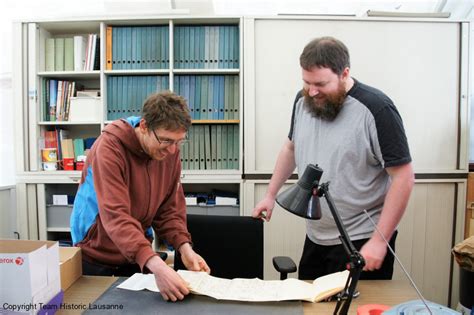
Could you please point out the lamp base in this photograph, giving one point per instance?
(417, 307)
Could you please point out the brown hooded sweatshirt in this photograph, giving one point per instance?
(133, 193)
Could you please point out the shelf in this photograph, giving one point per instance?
(213, 210)
(56, 123)
(137, 72)
(58, 229)
(62, 177)
(211, 176)
(71, 74)
(206, 71)
(216, 121)
(199, 122)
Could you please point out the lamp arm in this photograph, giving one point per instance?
(356, 263)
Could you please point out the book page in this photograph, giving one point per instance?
(329, 285)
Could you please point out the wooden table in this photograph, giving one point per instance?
(87, 289)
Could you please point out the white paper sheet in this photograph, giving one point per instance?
(140, 281)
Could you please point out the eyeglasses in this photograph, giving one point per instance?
(167, 142)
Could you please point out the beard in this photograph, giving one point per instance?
(328, 107)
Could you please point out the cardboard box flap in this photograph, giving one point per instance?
(18, 246)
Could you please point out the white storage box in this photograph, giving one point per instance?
(58, 216)
(29, 273)
(85, 109)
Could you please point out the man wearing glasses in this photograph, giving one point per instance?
(130, 184)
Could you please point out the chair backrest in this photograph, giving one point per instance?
(231, 245)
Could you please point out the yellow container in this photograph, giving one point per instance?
(49, 155)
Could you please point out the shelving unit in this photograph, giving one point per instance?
(137, 57)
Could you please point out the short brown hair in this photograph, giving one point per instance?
(166, 110)
(325, 52)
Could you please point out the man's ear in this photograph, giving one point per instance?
(143, 126)
(345, 73)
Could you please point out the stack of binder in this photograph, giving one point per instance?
(206, 47)
(126, 94)
(137, 47)
(211, 147)
(210, 97)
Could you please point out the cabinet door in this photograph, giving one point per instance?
(8, 212)
(283, 236)
(426, 237)
(423, 244)
(273, 79)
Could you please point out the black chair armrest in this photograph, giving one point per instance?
(284, 265)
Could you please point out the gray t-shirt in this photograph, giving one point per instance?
(353, 150)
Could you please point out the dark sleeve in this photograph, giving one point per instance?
(391, 135)
(298, 96)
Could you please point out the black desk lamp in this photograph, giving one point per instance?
(302, 199)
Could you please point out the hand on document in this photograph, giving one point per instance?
(171, 285)
(193, 261)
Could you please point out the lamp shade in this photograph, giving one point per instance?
(302, 198)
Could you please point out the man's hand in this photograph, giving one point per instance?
(374, 252)
(172, 286)
(191, 260)
(264, 209)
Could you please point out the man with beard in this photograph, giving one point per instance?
(355, 134)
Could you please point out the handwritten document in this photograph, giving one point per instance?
(256, 290)
(251, 290)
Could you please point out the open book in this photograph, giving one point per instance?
(256, 290)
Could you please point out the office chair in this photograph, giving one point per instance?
(231, 245)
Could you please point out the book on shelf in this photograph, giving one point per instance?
(80, 44)
(69, 54)
(49, 54)
(96, 57)
(57, 98)
(108, 48)
(211, 146)
(77, 53)
(65, 146)
(53, 94)
(196, 47)
(78, 148)
(137, 47)
(59, 54)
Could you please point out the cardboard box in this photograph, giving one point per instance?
(29, 274)
(70, 265)
(85, 109)
(470, 188)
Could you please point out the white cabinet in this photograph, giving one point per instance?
(198, 58)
